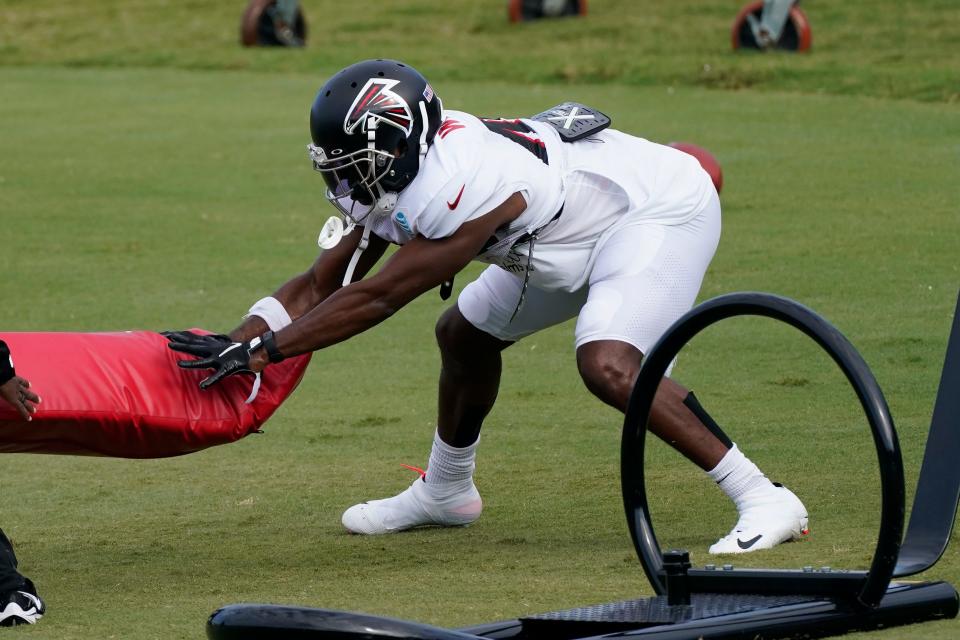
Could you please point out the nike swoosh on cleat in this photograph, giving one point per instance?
(37, 604)
(453, 205)
(748, 543)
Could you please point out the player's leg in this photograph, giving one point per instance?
(645, 277)
(609, 369)
(469, 377)
(471, 337)
(19, 603)
(446, 495)
(769, 514)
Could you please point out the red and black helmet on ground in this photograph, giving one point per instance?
(371, 125)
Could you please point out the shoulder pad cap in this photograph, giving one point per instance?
(574, 121)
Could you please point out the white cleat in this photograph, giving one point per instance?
(773, 516)
(416, 507)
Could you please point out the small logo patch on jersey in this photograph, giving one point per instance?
(403, 222)
(456, 201)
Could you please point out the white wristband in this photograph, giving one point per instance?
(272, 312)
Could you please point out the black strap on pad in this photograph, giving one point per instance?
(574, 121)
(446, 288)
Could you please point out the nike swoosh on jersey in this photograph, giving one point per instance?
(456, 201)
(746, 544)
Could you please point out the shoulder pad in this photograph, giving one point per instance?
(574, 121)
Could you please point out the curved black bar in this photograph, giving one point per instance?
(245, 621)
(853, 367)
(938, 488)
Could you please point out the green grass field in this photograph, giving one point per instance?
(153, 175)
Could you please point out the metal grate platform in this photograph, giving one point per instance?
(644, 612)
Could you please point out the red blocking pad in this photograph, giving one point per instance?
(122, 395)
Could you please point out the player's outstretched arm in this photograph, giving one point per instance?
(231, 354)
(417, 267)
(305, 291)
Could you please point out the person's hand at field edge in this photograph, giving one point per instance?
(14, 389)
(17, 393)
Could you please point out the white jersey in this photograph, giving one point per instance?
(469, 171)
(600, 184)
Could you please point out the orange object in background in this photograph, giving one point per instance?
(707, 161)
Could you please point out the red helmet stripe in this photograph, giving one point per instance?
(362, 106)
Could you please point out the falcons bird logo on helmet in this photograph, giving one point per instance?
(377, 100)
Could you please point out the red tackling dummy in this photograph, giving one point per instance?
(122, 395)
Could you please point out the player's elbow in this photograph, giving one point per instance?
(384, 308)
(391, 297)
(319, 287)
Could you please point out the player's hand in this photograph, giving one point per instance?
(16, 391)
(232, 357)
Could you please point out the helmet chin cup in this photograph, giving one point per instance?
(386, 202)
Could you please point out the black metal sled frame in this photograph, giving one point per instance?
(866, 587)
(725, 603)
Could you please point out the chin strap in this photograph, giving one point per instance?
(386, 203)
(364, 242)
(424, 130)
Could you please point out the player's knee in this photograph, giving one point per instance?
(449, 329)
(608, 376)
(456, 337)
(460, 340)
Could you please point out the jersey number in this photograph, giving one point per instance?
(520, 133)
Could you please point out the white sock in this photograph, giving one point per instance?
(736, 475)
(450, 465)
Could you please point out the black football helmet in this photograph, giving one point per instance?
(371, 125)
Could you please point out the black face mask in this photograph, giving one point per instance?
(347, 180)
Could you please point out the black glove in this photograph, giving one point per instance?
(214, 352)
(212, 343)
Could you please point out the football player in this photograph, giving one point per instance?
(575, 220)
(19, 602)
